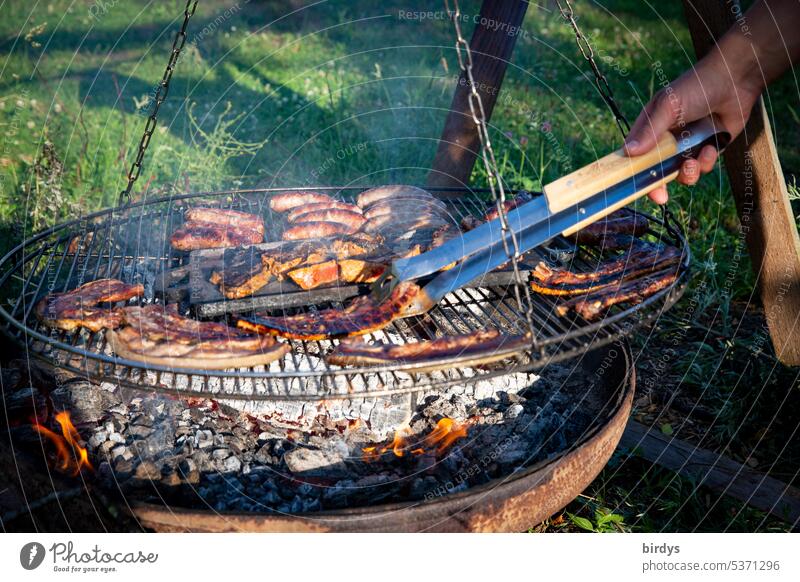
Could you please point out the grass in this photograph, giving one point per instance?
(356, 93)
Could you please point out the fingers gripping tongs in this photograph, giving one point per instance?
(568, 204)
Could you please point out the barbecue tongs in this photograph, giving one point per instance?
(568, 204)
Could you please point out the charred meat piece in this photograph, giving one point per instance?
(309, 230)
(333, 271)
(634, 291)
(295, 213)
(521, 198)
(160, 332)
(233, 219)
(610, 231)
(471, 222)
(356, 352)
(351, 219)
(81, 307)
(373, 195)
(363, 315)
(646, 258)
(242, 273)
(203, 235)
(288, 200)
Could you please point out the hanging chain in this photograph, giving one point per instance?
(487, 154)
(158, 99)
(568, 13)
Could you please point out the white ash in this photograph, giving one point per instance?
(308, 456)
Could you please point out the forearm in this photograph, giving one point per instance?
(763, 44)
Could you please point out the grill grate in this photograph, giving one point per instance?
(132, 243)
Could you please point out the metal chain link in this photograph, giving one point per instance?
(487, 154)
(600, 81)
(160, 96)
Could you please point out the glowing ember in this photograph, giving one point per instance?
(72, 457)
(447, 432)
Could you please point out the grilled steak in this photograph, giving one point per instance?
(633, 292)
(288, 200)
(369, 197)
(81, 307)
(229, 218)
(355, 351)
(295, 213)
(646, 258)
(309, 230)
(363, 315)
(203, 235)
(243, 272)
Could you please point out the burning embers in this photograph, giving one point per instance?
(438, 441)
(71, 456)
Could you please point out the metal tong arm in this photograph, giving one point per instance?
(569, 204)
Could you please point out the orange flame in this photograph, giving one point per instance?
(447, 432)
(72, 457)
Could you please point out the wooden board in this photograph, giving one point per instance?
(720, 474)
(762, 200)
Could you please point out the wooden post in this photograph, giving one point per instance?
(496, 31)
(762, 200)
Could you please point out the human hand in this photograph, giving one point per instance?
(723, 83)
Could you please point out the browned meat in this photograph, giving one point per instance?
(633, 292)
(333, 271)
(288, 200)
(646, 258)
(407, 204)
(81, 307)
(363, 315)
(470, 222)
(521, 198)
(612, 231)
(395, 224)
(373, 195)
(233, 219)
(158, 331)
(242, 273)
(352, 219)
(309, 230)
(202, 235)
(355, 351)
(295, 213)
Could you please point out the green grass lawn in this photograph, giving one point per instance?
(356, 92)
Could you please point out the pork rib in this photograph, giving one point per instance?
(81, 307)
(363, 315)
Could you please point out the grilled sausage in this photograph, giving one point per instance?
(334, 215)
(288, 200)
(369, 197)
(307, 230)
(228, 218)
(295, 213)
